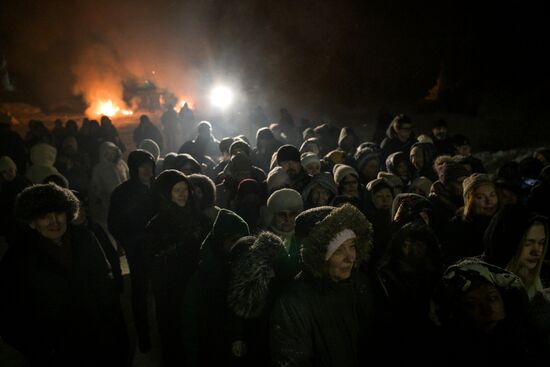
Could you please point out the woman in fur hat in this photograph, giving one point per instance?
(59, 304)
(174, 236)
(316, 321)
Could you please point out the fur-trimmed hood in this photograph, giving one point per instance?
(252, 273)
(314, 246)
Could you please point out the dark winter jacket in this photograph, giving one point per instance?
(59, 304)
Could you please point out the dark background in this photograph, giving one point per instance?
(331, 60)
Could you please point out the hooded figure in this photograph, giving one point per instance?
(480, 312)
(152, 147)
(59, 306)
(205, 306)
(130, 210)
(107, 175)
(174, 236)
(316, 320)
(42, 158)
(408, 273)
(320, 191)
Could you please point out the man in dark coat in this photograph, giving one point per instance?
(59, 305)
(130, 210)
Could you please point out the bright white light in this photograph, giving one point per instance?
(221, 97)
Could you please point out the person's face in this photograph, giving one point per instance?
(292, 168)
(464, 150)
(383, 199)
(485, 200)
(320, 196)
(404, 131)
(417, 157)
(340, 264)
(370, 169)
(455, 186)
(180, 193)
(284, 221)
(8, 174)
(483, 308)
(197, 193)
(533, 246)
(440, 132)
(350, 186)
(313, 168)
(414, 249)
(145, 173)
(402, 169)
(52, 226)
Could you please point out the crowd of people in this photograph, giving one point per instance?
(301, 246)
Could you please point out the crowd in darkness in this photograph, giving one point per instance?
(300, 246)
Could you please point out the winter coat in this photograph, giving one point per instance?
(59, 304)
(315, 322)
(106, 176)
(463, 237)
(208, 323)
(42, 157)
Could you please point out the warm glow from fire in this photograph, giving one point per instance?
(108, 108)
(183, 101)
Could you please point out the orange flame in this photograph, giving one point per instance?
(108, 108)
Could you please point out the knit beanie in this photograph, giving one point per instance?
(342, 170)
(451, 171)
(288, 153)
(475, 180)
(248, 186)
(309, 157)
(285, 199)
(277, 178)
(378, 184)
(336, 156)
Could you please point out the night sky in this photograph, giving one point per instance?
(322, 58)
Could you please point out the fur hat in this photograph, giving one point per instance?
(340, 171)
(38, 200)
(252, 273)
(285, 199)
(306, 220)
(288, 153)
(473, 181)
(314, 246)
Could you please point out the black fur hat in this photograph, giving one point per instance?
(38, 200)
(252, 273)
